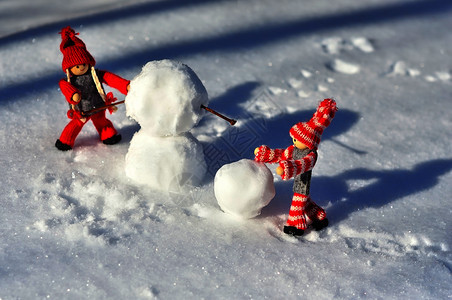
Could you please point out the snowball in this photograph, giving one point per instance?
(165, 163)
(344, 67)
(166, 97)
(363, 44)
(244, 187)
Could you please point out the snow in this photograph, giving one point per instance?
(243, 188)
(344, 67)
(74, 226)
(165, 163)
(166, 98)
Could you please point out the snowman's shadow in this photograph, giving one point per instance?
(253, 129)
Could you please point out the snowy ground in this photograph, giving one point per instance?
(74, 227)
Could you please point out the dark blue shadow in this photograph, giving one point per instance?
(111, 16)
(252, 130)
(232, 41)
(386, 186)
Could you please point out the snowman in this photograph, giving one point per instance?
(166, 99)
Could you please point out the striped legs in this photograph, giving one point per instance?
(304, 212)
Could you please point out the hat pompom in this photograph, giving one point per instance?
(309, 133)
(67, 37)
(74, 50)
(67, 32)
(325, 113)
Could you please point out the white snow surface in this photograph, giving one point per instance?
(74, 226)
(243, 188)
(166, 98)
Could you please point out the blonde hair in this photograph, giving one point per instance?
(96, 82)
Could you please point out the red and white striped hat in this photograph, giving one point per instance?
(309, 133)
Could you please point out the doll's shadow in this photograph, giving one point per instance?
(260, 120)
(128, 132)
(278, 128)
(361, 188)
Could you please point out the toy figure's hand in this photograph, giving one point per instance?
(75, 114)
(260, 152)
(285, 170)
(112, 109)
(128, 87)
(76, 97)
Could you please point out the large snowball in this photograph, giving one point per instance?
(244, 187)
(166, 97)
(165, 163)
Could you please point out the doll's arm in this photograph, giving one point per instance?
(290, 168)
(116, 82)
(71, 94)
(265, 154)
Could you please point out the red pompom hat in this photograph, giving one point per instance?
(74, 50)
(309, 133)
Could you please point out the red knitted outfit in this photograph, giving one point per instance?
(103, 126)
(303, 210)
(298, 163)
(90, 90)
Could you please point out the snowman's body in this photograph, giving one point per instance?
(165, 99)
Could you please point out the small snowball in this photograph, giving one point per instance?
(165, 163)
(363, 44)
(344, 67)
(166, 97)
(398, 68)
(333, 45)
(306, 73)
(243, 188)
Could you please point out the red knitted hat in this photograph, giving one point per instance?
(309, 133)
(74, 50)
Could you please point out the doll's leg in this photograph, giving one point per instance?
(105, 128)
(69, 134)
(314, 211)
(317, 215)
(296, 222)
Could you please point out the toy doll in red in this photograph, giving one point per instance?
(297, 161)
(84, 92)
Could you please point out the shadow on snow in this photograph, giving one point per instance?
(232, 41)
(382, 188)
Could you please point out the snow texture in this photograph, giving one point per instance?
(243, 188)
(165, 163)
(166, 98)
(344, 67)
(74, 226)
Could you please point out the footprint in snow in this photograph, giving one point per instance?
(439, 76)
(336, 45)
(400, 68)
(343, 67)
(363, 44)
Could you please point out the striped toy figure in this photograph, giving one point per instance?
(297, 161)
